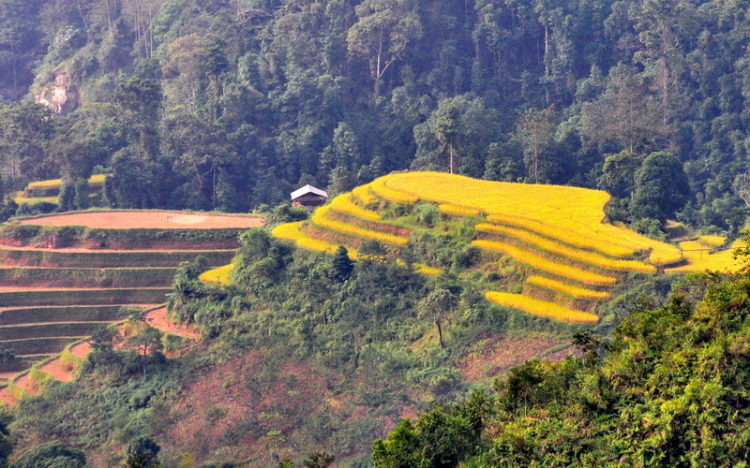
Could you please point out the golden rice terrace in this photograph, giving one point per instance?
(569, 257)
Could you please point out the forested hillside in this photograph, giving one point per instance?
(232, 104)
(305, 357)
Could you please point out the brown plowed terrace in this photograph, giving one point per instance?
(147, 220)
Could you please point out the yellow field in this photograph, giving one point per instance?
(458, 210)
(217, 275)
(584, 256)
(427, 270)
(541, 263)
(567, 289)
(590, 243)
(364, 195)
(292, 232)
(344, 204)
(699, 259)
(575, 215)
(566, 222)
(397, 196)
(20, 199)
(319, 219)
(714, 241)
(94, 180)
(541, 308)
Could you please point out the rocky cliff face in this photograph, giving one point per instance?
(61, 95)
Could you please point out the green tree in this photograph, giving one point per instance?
(536, 131)
(383, 32)
(618, 174)
(625, 117)
(437, 305)
(142, 452)
(341, 265)
(456, 137)
(147, 343)
(51, 455)
(319, 460)
(25, 132)
(661, 187)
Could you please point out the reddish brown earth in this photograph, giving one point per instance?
(62, 372)
(240, 393)
(562, 354)
(58, 371)
(148, 220)
(6, 399)
(498, 354)
(81, 350)
(25, 383)
(157, 318)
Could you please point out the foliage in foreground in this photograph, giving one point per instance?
(671, 391)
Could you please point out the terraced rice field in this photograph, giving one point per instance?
(53, 299)
(557, 234)
(48, 190)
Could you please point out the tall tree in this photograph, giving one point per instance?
(661, 187)
(536, 131)
(384, 30)
(25, 132)
(456, 137)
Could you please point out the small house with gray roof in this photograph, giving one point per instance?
(309, 197)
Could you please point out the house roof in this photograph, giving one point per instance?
(308, 189)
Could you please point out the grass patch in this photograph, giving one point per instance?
(713, 241)
(699, 259)
(455, 210)
(379, 187)
(94, 180)
(127, 239)
(217, 275)
(91, 277)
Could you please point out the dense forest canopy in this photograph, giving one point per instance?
(233, 104)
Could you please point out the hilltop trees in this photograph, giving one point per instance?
(230, 105)
(661, 187)
(383, 32)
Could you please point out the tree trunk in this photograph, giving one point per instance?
(546, 63)
(450, 148)
(109, 18)
(440, 332)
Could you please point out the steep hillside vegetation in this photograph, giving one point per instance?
(670, 391)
